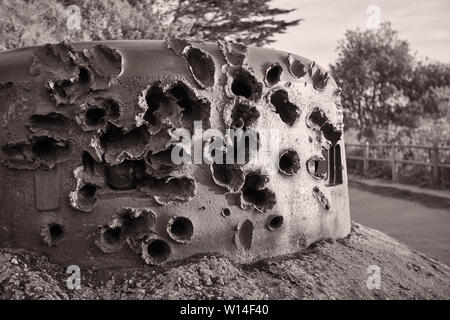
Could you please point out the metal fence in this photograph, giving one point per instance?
(434, 153)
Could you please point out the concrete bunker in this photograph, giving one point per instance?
(107, 117)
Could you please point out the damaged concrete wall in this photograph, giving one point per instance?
(86, 143)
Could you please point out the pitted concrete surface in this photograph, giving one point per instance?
(327, 270)
(88, 134)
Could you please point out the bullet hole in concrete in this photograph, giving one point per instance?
(245, 234)
(51, 121)
(56, 231)
(177, 188)
(331, 133)
(52, 234)
(44, 147)
(226, 212)
(228, 175)
(160, 107)
(255, 180)
(201, 65)
(241, 88)
(60, 89)
(194, 109)
(115, 135)
(177, 45)
(84, 76)
(234, 53)
(170, 189)
(66, 91)
(126, 175)
(289, 162)
(88, 162)
(317, 119)
(180, 229)
(255, 194)
(320, 197)
(273, 74)
(182, 93)
(136, 221)
(275, 222)
(296, 68)
(318, 77)
(317, 166)
(244, 84)
(112, 235)
(110, 239)
(16, 152)
(160, 164)
(156, 251)
(87, 192)
(37, 150)
(112, 108)
(263, 199)
(95, 116)
(99, 111)
(244, 116)
(84, 197)
(105, 64)
(54, 58)
(119, 145)
(287, 111)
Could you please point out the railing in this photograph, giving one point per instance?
(433, 151)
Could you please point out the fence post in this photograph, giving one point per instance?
(366, 160)
(394, 163)
(435, 163)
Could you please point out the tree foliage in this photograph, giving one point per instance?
(429, 88)
(384, 85)
(373, 68)
(31, 22)
(245, 21)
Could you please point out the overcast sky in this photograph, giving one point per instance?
(424, 23)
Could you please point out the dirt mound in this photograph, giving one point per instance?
(327, 270)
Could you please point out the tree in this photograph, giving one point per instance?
(383, 84)
(31, 22)
(245, 21)
(373, 68)
(429, 89)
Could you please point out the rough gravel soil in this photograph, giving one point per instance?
(328, 270)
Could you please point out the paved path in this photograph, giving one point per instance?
(424, 229)
(445, 194)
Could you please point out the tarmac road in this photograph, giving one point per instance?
(424, 229)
